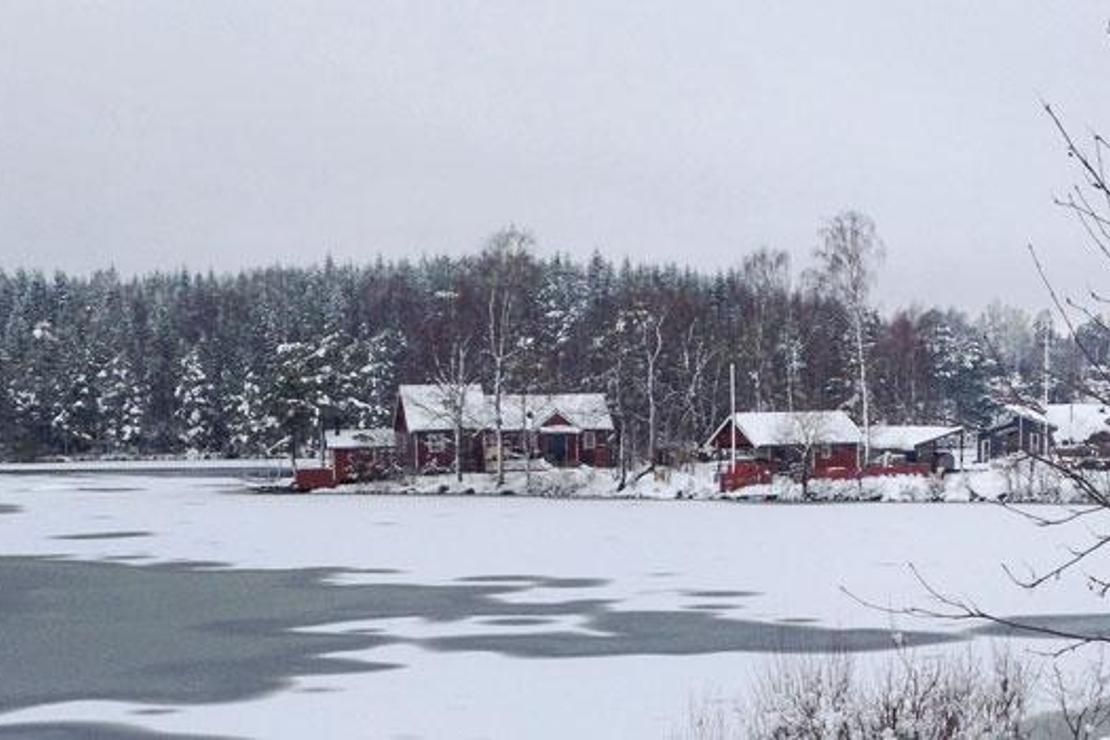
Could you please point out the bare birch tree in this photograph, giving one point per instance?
(503, 255)
(804, 432)
(452, 380)
(849, 256)
(767, 275)
(651, 333)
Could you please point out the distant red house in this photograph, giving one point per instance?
(784, 440)
(565, 429)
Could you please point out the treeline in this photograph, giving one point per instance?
(236, 364)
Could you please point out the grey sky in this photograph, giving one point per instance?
(210, 134)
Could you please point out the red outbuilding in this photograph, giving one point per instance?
(361, 454)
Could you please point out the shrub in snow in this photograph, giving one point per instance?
(913, 696)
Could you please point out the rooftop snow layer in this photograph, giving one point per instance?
(347, 439)
(427, 408)
(1013, 411)
(1078, 422)
(777, 428)
(907, 437)
(583, 410)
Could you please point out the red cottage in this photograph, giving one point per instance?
(828, 441)
(425, 419)
(564, 429)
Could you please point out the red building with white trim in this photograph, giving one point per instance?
(563, 429)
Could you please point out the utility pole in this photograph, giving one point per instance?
(732, 414)
(1044, 387)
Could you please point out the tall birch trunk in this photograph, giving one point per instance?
(865, 397)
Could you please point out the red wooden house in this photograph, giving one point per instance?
(824, 443)
(564, 429)
(425, 419)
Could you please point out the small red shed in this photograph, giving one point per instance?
(360, 454)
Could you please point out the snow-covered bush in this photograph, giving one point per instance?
(1024, 480)
(810, 697)
(913, 696)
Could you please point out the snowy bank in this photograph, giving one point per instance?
(1007, 480)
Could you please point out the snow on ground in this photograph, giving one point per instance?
(782, 565)
(1020, 480)
(167, 465)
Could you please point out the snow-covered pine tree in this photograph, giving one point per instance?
(121, 401)
(198, 409)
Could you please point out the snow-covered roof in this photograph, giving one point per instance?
(1011, 411)
(779, 428)
(428, 408)
(353, 439)
(907, 437)
(582, 410)
(1078, 422)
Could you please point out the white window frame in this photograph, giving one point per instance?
(435, 443)
(826, 452)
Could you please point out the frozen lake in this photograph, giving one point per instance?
(142, 605)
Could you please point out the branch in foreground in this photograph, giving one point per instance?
(953, 609)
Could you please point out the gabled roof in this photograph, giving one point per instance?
(582, 410)
(791, 428)
(907, 437)
(356, 439)
(428, 408)
(1078, 422)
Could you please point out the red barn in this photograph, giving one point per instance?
(827, 442)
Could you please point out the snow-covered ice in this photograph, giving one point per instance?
(600, 618)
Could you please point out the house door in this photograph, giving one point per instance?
(557, 448)
(984, 450)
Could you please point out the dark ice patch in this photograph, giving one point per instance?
(87, 730)
(204, 632)
(681, 633)
(182, 633)
(107, 489)
(537, 581)
(717, 594)
(101, 536)
(10, 509)
(516, 621)
(1096, 626)
(713, 607)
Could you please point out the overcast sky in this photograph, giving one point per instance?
(151, 135)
